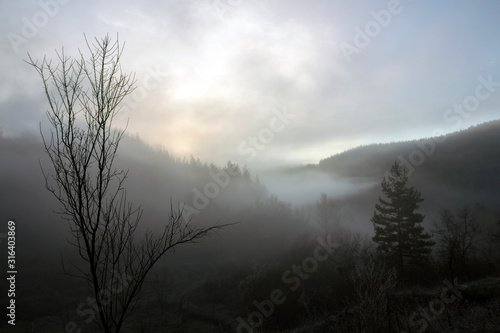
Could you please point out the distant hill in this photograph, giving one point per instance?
(464, 159)
(454, 171)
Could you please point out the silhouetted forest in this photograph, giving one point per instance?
(304, 266)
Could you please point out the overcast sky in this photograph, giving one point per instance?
(270, 81)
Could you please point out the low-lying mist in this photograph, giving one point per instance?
(302, 186)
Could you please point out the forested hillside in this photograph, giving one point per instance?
(465, 160)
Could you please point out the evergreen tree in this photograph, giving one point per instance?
(398, 232)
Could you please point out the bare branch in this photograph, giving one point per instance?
(84, 95)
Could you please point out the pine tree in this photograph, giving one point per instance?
(398, 232)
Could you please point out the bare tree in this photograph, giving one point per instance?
(458, 237)
(84, 97)
(372, 282)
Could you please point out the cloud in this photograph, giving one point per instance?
(226, 69)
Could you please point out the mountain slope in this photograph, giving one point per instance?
(468, 159)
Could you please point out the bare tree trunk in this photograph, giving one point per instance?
(84, 97)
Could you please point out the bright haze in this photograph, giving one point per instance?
(269, 83)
